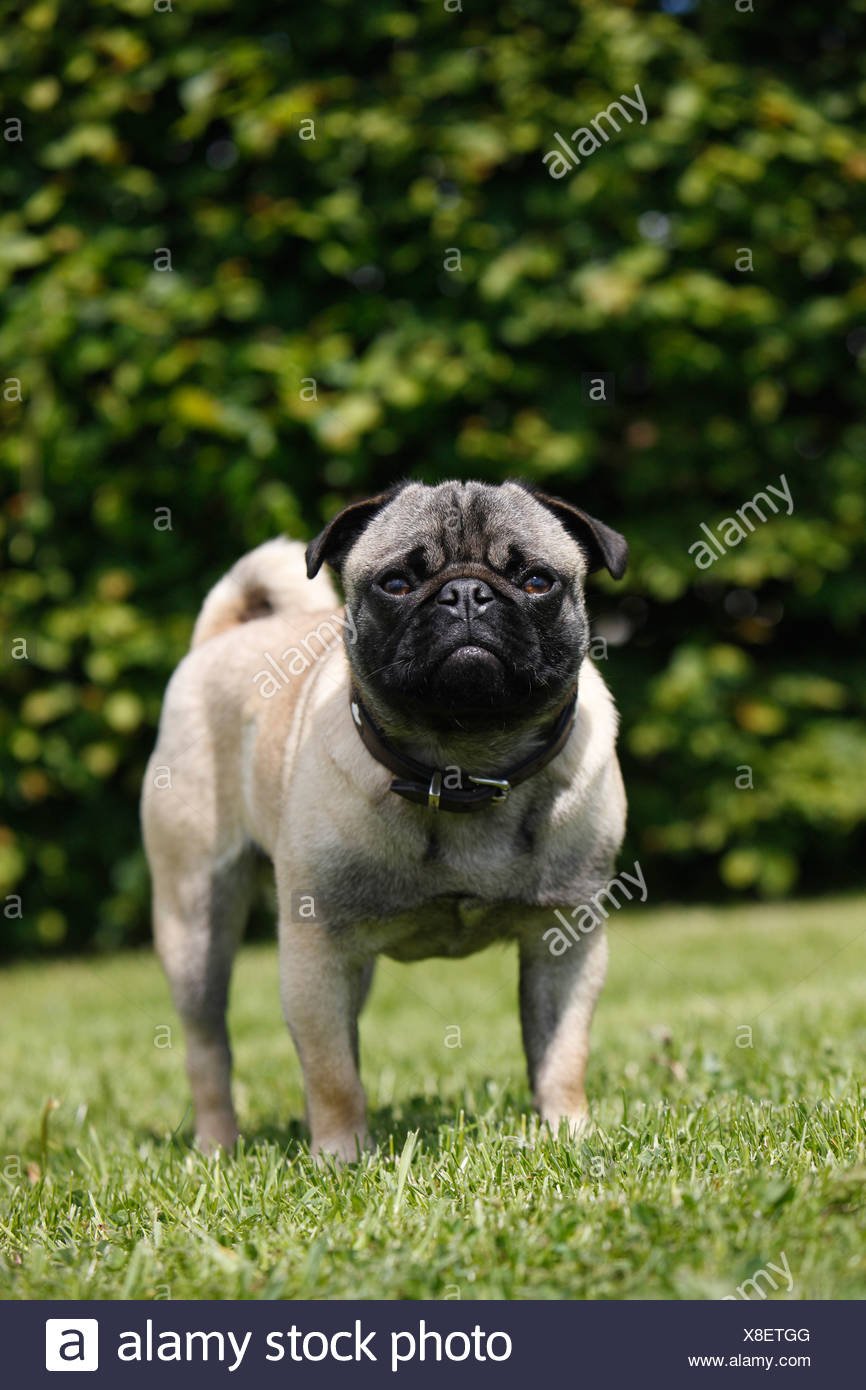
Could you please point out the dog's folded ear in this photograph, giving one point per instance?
(605, 548)
(332, 545)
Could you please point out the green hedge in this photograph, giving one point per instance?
(148, 135)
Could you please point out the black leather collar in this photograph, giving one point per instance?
(425, 786)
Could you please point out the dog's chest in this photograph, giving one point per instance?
(448, 890)
(451, 925)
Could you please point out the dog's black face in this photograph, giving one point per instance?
(467, 601)
(469, 638)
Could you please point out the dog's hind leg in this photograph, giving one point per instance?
(199, 915)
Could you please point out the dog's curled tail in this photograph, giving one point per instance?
(270, 579)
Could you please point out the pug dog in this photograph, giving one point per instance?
(429, 770)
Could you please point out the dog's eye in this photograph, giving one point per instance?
(537, 584)
(397, 585)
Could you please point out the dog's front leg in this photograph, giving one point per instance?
(559, 986)
(322, 988)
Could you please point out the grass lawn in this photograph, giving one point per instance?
(708, 1158)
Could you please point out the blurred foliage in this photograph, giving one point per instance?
(309, 344)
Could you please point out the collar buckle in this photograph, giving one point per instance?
(434, 791)
(503, 785)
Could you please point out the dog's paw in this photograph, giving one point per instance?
(214, 1132)
(341, 1148)
(565, 1124)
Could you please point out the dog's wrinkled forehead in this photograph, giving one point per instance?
(455, 523)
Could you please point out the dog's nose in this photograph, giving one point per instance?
(467, 598)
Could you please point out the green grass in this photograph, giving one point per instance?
(707, 1159)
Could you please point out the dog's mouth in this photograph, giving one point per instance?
(470, 665)
(468, 672)
(468, 653)
(470, 675)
